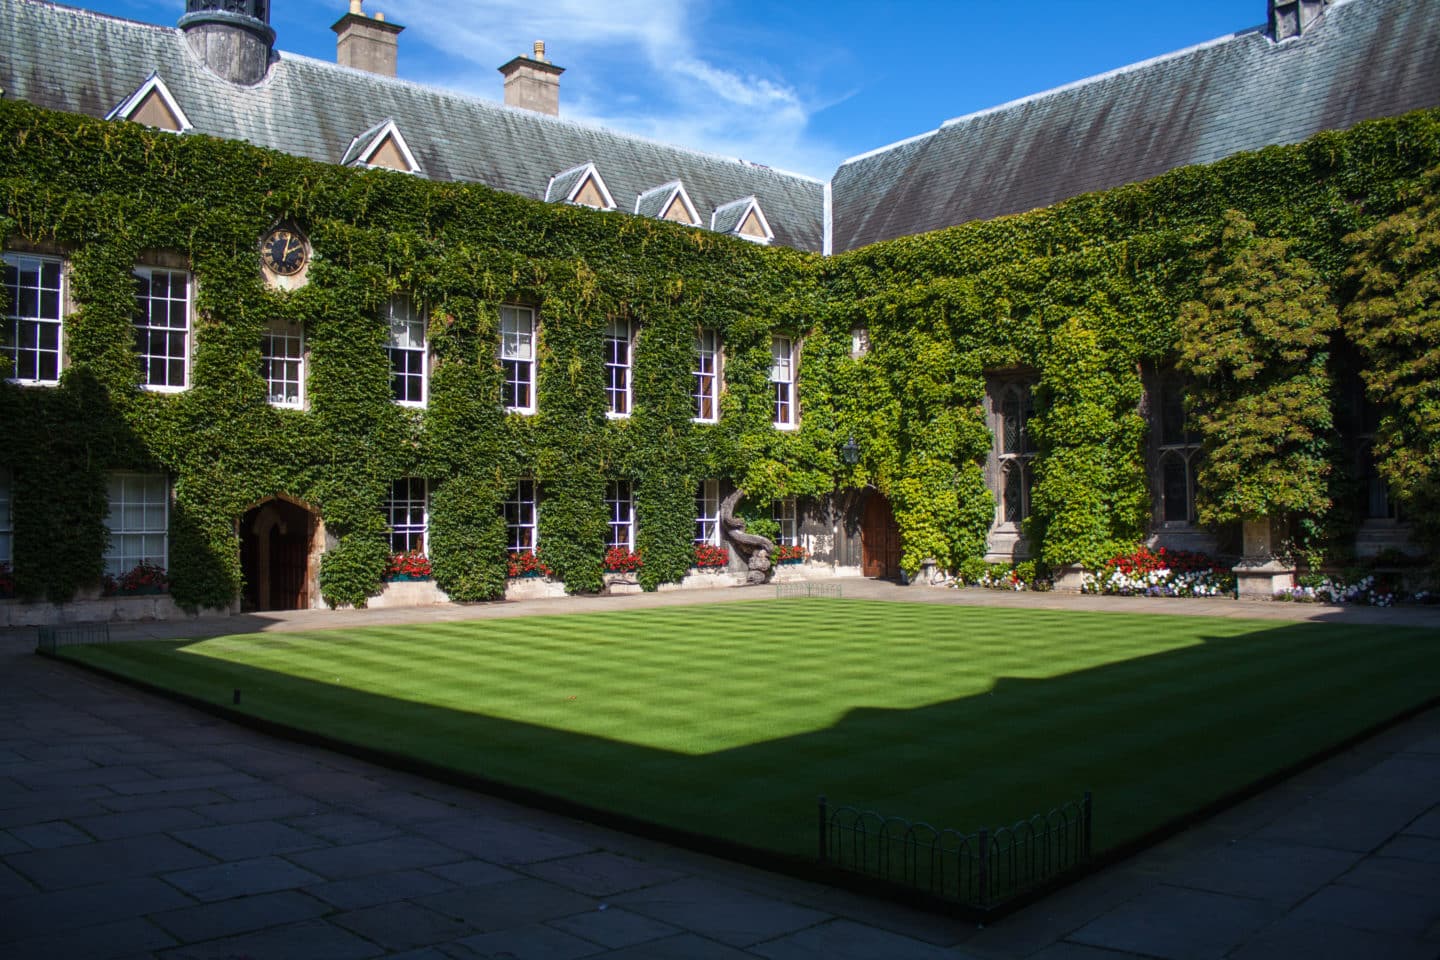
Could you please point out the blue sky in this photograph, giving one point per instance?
(799, 85)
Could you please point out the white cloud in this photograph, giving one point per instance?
(634, 65)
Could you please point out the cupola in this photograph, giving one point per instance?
(232, 37)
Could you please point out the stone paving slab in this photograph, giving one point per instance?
(334, 857)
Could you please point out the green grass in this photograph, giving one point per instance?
(729, 719)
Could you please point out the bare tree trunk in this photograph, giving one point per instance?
(754, 548)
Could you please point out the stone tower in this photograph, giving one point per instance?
(232, 37)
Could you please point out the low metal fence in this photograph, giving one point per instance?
(50, 639)
(802, 588)
(979, 870)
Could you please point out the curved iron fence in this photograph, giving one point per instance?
(979, 870)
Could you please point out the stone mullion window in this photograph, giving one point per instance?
(619, 356)
(1016, 452)
(707, 376)
(517, 357)
(409, 360)
(34, 321)
(521, 516)
(1178, 453)
(162, 327)
(407, 515)
(620, 506)
(282, 364)
(707, 513)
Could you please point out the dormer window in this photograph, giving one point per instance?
(154, 106)
(381, 146)
(668, 202)
(743, 219)
(581, 186)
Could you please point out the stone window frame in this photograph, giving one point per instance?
(407, 515)
(786, 513)
(1167, 448)
(1005, 464)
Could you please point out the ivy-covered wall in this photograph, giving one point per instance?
(1084, 294)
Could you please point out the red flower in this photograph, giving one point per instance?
(412, 563)
(784, 552)
(526, 565)
(622, 560)
(708, 556)
(7, 580)
(143, 576)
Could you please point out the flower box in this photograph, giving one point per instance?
(711, 558)
(622, 560)
(145, 579)
(523, 565)
(409, 566)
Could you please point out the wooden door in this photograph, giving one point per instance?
(879, 540)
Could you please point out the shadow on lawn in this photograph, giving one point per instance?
(1159, 739)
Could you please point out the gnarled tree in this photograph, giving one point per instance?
(756, 549)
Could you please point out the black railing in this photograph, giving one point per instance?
(803, 588)
(51, 639)
(978, 870)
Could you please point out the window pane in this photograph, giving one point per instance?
(1010, 423)
(1175, 489)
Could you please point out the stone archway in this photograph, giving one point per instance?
(279, 555)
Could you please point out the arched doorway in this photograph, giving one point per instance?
(276, 542)
(879, 540)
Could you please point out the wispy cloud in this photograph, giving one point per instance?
(634, 65)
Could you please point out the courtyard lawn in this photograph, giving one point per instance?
(729, 719)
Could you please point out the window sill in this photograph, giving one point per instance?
(786, 427)
(703, 420)
(287, 405)
(411, 404)
(33, 383)
(612, 415)
(522, 411)
(151, 388)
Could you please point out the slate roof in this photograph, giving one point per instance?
(1363, 59)
(81, 62)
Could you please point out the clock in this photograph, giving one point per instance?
(284, 252)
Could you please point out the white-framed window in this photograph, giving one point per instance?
(7, 519)
(282, 364)
(139, 521)
(782, 380)
(517, 358)
(859, 342)
(407, 514)
(1179, 453)
(1015, 449)
(162, 328)
(34, 317)
(521, 518)
(787, 515)
(409, 357)
(707, 513)
(707, 376)
(619, 355)
(620, 506)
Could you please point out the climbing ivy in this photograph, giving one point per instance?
(1081, 298)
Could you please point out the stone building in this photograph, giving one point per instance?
(1315, 65)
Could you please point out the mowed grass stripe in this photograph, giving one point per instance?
(730, 719)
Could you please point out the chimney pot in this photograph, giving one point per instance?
(533, 83)
(366, 43)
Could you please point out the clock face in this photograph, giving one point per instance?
(284, 252)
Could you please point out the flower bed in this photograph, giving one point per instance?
(413, 565)
(527, 565)
(790, 554)
(1367, 590)
(1161, 573)
(622, 560)
(1000, 576)
(711, 558)
(143, 579)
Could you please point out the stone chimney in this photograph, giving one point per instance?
(231, 37)
(366, 43)
(1291, 18)
(533, 83)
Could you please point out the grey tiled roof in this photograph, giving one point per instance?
(82, 62)
(1363, 59)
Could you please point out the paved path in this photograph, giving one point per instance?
(133, 827)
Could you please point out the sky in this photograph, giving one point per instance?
(799, 85)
